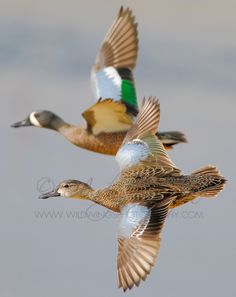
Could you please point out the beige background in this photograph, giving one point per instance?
(188, 59)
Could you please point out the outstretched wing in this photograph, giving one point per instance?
(141, 143)
(112, 73)
(139, 241)
(107, 116)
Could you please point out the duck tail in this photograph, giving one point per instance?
(208, 181)
(171, 138)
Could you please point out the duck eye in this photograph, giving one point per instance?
(66, 186)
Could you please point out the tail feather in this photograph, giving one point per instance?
(208, 181)
(210, 169)
(171, 138)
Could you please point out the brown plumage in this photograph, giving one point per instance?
(148, 186)
(109, 143)
(120, 45)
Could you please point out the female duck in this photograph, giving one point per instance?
(148, 186)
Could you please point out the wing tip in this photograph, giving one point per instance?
(116, 38)
(151, 100)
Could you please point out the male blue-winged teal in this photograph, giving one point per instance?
(108, 120)
(148, 186)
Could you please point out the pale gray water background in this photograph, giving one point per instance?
(188, 59)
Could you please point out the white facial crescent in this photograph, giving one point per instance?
(33, 120)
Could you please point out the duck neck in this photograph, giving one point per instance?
(75, 134)
(58, 124)
(86, 194)
(104, 197)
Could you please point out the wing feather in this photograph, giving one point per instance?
(120, 41)
(139, 241)
(117, 55)
(141, 143)
(107, 116)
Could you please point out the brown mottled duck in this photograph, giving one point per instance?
(107, 120)
(148, 186)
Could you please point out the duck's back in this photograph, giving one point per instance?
(150, 183)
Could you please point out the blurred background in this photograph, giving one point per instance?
(187, 58)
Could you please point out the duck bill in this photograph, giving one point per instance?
(23, 123)
(49, 195)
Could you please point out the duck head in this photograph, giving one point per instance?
(70, 189)
(41, 118)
